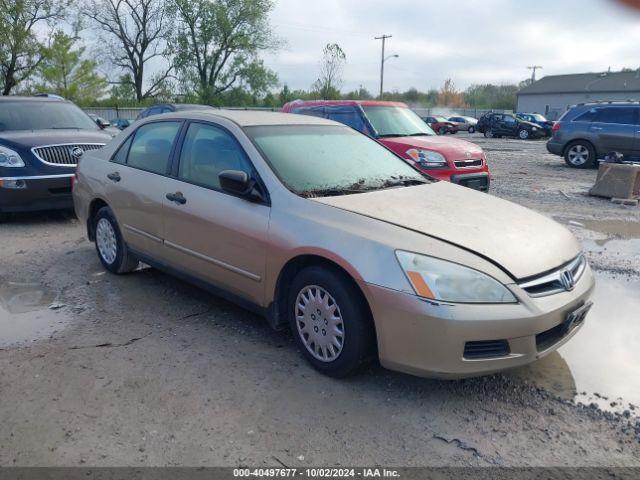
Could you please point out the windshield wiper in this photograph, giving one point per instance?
(403, 183)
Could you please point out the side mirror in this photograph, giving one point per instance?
(239, 183)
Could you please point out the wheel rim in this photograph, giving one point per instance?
(319, 323)
(489, 134)
(578, 155)
(106, 241)
(524, 134)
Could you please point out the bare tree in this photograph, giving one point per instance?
(331, 66)
(135, 32)
(218, 42)
(20, 50)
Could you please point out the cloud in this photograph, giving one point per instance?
(469, 41)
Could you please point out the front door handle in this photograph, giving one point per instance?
(596, 128)
(115, 176)
(177, 198)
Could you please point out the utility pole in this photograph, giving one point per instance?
(533, 69)
(382, 59)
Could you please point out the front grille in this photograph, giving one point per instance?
(554, 282)
(467, 163)
(486, 349)
(60, 155)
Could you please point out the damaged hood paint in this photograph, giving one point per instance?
(522, 242)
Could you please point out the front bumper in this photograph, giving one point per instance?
(428, 338)
(43, 192)
(477, 181)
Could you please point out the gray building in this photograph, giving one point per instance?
(552, 95)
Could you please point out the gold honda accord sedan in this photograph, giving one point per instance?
(321, 228)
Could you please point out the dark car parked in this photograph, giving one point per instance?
(170, 107)
(507, 125)
(590, 131)
(41, 141)
(538, 119)
(121, 123)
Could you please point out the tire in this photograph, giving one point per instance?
(442, 131)
(523, 134)
(580, 154)
(353, 344)
(471, 130)
(112, 251)
(489, 134)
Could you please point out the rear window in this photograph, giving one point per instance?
(151, 146)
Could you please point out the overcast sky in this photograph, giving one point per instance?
(469, 41)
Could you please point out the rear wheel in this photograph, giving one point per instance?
(580, 154)
(112, 251)
(330, 321)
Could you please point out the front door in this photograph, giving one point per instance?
(215, 236)
(135, 184)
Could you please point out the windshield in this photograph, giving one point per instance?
(441, 119)
(538, 117)
(323, 160)
(396, 122)
(35, 115)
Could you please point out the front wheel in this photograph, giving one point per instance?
(488, 133)
(442, 131)
(330, 321)
(471, 130)
(523, 134)
(580, 154)
(112, 251)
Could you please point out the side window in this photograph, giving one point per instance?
(587, 116)
(509, 119)
(151, 146)
(207, 151)
(349, 116)
(312, 111)
(622, 115)
(121, 155)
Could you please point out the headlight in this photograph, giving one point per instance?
(535, 129)
(427, 158)
(9, 158)
(449, 282)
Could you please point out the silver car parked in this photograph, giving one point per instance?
(323, 230)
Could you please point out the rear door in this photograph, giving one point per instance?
(213, 235)
(614, 129)
(135, 184)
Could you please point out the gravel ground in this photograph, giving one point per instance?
(144, 369)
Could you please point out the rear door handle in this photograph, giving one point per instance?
(115, 176)
(177, 198)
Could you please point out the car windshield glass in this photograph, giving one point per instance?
(323, 160)
(35, 115)
(441, 119)
(396, 121)
(538, 118)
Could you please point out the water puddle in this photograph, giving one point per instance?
(601, 364)
(27, 313)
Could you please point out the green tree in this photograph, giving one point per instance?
(218, 43)
(20, 49)
(64, 71)
(328, 84)
(134, 33)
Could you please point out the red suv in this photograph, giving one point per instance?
(398, 128)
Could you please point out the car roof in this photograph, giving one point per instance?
(247, 118)
(336, 103)
(19, 98)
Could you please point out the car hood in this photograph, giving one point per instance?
(451, 147)
(34, 138)
(520, 241)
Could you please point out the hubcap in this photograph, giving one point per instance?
(319, 323)
(106, 241)
(578, 155)
(524, 134)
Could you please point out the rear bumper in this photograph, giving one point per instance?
(554, 147)
(428, 339)
(477, 181)
(44, 192)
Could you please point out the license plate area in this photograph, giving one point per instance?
(573, 320)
